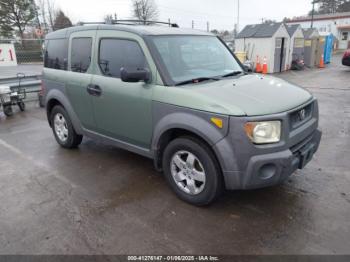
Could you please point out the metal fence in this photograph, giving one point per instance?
(27, 50)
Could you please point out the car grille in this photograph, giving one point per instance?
(300, 116)
(301, 144)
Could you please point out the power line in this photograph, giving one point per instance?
(217, 16)
(193, 12)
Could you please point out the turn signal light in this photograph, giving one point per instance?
(217, 121)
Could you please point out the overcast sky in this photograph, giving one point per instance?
(221, 14)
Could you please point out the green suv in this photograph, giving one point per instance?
(181, 98)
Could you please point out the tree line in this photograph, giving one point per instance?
(17, 15)
(144, 10)
(331, 6)
(42, 16)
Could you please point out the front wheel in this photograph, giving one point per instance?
(63, 128)
(192, 171)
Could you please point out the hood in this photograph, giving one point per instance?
(251, 95)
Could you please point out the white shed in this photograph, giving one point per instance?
(313, 47)
(296, 47)
(265, 40)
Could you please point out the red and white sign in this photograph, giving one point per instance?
(7, 55)
(39, 32)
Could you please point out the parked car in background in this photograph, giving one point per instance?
(346, 58)
(181, 98)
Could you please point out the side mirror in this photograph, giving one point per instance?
(247, 69)
(135, 75)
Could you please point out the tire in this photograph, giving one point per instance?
(198, 193)
(22, 106)
(8, 111)
(63, 129)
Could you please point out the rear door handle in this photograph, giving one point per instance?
(94, 90)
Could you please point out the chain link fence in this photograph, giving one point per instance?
(27, 50)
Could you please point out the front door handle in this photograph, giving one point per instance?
(94, 90)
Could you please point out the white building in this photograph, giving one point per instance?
(337, 24)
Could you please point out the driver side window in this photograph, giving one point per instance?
(115, 54)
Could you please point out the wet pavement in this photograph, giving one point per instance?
(100, 199)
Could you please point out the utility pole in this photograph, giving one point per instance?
(234, 20)
(169, 21)
(192, 24)
(238, 18)
(207, 26)
(312, 14)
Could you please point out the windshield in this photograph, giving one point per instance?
(195, 57)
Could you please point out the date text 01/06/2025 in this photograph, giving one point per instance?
(173, 258)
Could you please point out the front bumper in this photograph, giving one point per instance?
(248, 166)
(270, 169)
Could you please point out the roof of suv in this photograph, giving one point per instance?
(136, 29)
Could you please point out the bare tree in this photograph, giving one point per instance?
(331, 6)
(108, 19)
(51, 13)
(145, 10)
(47, 13)
(41, 6)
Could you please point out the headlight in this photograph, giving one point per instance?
(263, 132)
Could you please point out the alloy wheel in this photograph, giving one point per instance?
(188, 172)
(61, 127)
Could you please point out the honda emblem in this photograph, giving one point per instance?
(302, 114)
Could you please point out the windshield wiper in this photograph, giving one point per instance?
(196, 80)
(233, 73)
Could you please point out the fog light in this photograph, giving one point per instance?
(267, 171)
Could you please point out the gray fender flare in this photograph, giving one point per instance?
(60, 97)
(190, 122)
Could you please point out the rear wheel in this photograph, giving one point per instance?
(22, 106)
(8, 110)
(63, 129)
(192, 171)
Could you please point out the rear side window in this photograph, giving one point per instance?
(81, 54)
(56, 54)
(117, 53)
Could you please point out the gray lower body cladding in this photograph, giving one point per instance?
(273, 168)
(248, 166)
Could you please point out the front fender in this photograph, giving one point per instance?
(167, 117)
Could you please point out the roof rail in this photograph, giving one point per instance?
(90, 23)
(130, 22)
